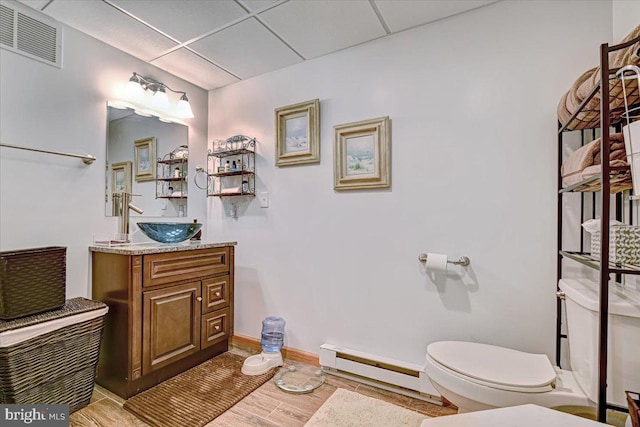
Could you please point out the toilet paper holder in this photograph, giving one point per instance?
(463, 261)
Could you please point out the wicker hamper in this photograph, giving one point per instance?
(51, 357)
(32, 281)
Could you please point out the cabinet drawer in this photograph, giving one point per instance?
(215, 327)
(215, 294)
(159, 269)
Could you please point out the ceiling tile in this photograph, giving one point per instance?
(111, 26)
(35, 4)
(403, 14)
(246, 49)
(318, 27)
(254, 5)
(190, 67)
(183, 20)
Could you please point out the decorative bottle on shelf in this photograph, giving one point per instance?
(227, 166)
(233, 166)
(176, 172)
(245, 186)
(239, 164)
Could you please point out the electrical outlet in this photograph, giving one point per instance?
(264, 199)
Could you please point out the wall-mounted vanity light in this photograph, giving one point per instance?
(148, 97)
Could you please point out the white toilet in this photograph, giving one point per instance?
(476, 376)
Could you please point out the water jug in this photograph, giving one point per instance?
(272, 334)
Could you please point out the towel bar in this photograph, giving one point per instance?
(87, 159)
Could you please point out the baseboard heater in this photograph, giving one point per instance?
(394, 375)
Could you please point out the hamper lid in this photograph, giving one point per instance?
(71, 307)
(495, 365)
(32, 251)
(75, 311)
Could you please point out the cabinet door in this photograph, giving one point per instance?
(171, 325)
(215, 327)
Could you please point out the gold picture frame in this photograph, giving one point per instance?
(144, 157)
(298, 133)
(121, 177)
(362, 155)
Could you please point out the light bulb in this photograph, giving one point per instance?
(183, 109)
(161, 100)
(134, 91)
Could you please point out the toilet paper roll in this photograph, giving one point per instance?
(436, 263)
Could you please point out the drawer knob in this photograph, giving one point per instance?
(217, 294)
(199, 298)
(217, 327)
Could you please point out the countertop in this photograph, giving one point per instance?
(156, 248)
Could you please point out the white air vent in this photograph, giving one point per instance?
(6, 26)
(30, 33)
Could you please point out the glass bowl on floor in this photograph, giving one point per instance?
(299, 381)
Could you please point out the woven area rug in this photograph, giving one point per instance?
(345, 408)
(197, 396)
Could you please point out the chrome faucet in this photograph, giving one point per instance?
(123, 211)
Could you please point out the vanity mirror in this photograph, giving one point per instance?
(143, 154)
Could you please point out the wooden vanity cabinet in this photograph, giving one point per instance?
(167, 313)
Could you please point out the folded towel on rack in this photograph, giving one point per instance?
(577, 162)
(617, 149)
(584, 158)
(619, 179)
(589, 116)
(595, 170)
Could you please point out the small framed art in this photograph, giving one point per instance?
(145, 159)
(298, 133)
(362, 155)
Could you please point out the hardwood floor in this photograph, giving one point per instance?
(267, 406)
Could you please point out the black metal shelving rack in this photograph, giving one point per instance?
(601, 263)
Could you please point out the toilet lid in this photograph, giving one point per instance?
(494, 365)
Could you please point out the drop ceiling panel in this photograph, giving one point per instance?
(403, 14)
(254, 5)
(111, 26)
(289, 32)
(190, 67)
(183, 20)
(35, 4)
(318, 27)
(246, 49)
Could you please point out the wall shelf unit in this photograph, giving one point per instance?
(231, 168)
(611, 183)
(168, 185)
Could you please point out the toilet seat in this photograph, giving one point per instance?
(496, 367)
(479, 391)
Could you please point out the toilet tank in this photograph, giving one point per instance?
(623, 365)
